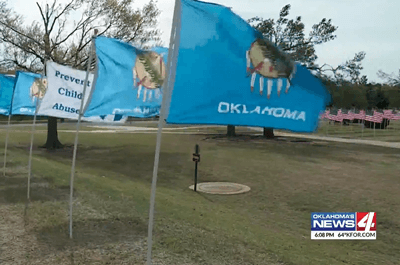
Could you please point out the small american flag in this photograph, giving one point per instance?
(378, 116)
(327, 113)
(339, 116)
(344, 113)
(351, 115)
(396, 116)
(347, 115)
(369, 114)
(388, 114)
(332, 114)
(359, 114)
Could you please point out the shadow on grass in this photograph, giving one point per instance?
(66, 149)
(93, 232)
(14, 190)
(136, 162)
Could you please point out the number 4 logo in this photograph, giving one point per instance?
(366, 221)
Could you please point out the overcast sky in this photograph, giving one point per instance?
(363, 25)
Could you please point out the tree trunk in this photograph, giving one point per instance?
(268, 133)
(52, 135)
(230, 130)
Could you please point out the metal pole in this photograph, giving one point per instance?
(196, 151)
(195, 177)
(171, 71)
(362, 128)
(386, 128)
(326, 128)
(76, 137)
(31, 147)
(6, 145)
(351, 125)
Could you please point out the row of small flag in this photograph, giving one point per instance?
(368, 115)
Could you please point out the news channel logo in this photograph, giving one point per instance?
(343, 226)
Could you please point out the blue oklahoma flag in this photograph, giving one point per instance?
(129, 80)
(6, 93)
(228, 74)
(28, 88)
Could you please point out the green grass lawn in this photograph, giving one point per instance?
(289, 179)
(390, 134)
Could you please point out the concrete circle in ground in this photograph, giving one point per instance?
(221, 188)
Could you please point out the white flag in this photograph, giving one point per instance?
(63, 96)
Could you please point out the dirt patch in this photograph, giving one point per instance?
(93, 232)
(14, 242)
(95, 242)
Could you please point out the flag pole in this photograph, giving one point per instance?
(374, 128)
(32, 136)
(362, 128)
(6, 145)
(77, 134)
(326, 128)
(171, 71)
(31, 148)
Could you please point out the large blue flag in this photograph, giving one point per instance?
(6, 93)
(228, 74)
(29, 87)
(129, 80)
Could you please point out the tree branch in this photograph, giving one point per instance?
(44, 19)
(30, 51)
(78, 27)
(19, 32)
(59, 15)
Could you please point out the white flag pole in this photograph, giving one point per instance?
(362, 128)
(31, 147)
(77, 133)
(32, 134)
(5, 147)
(171, 71)
(326, 126)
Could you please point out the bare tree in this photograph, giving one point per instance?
(290, 37)
(60, 38)
(390, 79)
(347, 72)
